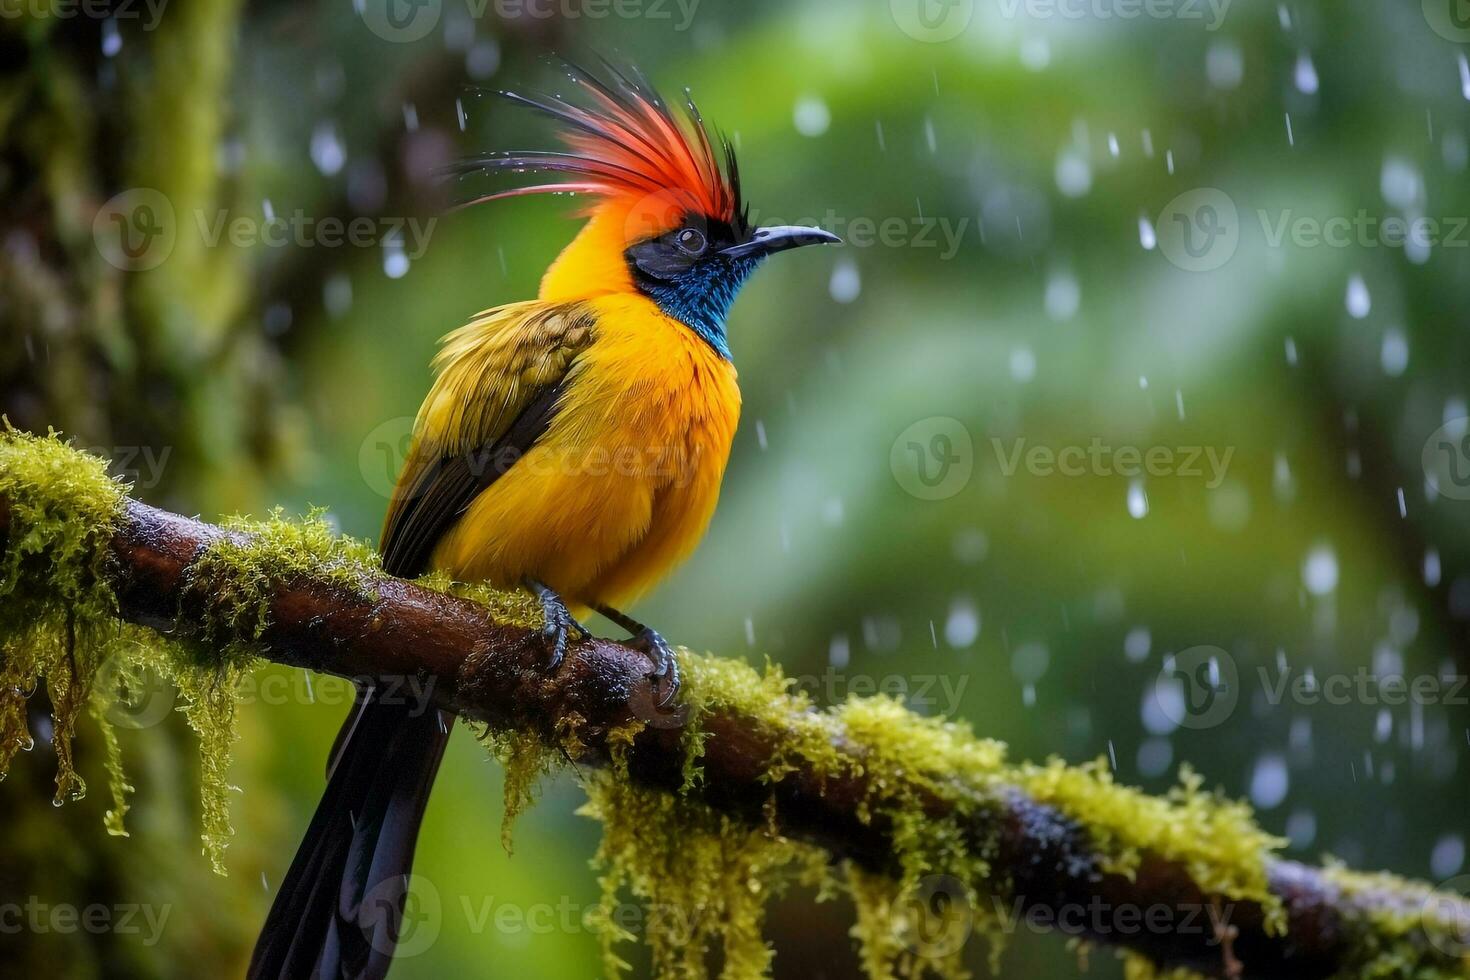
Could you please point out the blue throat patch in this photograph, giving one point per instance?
(701, 298)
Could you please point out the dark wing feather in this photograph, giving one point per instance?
(516, 365)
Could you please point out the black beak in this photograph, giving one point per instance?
(778, 238)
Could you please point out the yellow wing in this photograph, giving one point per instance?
(498, 387)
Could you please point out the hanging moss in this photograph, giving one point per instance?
(703, 878)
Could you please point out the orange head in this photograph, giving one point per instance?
(667, 219)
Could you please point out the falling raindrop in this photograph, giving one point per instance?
(1137, 644)
(1319, 570)
(811, 116)
(111, 39)
(1035, 53)
(1282, 482)
(1394, 354)
(1163, 704)
(1137, 500)
(1448, 856)
(337, 294)
(1155, 756)
(1401, 183)
(1359, 302)
(1146, 235)
(1023, 364)
(970, 546)
(1224, 65)
(1291, 351)
(1301, 828)
(1063, 296)
(483, 58)
(326, 149)
(395, 263)
(1431, 567)
(1269, 781)
(962, 627)
(1305, 74)
(1029, 662)
(1073, 173)
(846, 283)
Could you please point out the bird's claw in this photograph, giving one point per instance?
(665, 673)
(560, 627)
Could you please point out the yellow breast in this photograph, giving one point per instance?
(623, 484)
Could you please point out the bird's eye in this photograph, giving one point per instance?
(690, 240)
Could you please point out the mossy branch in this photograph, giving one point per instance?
(897, 798)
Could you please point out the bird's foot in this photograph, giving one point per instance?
(560, 624)
(665, 673)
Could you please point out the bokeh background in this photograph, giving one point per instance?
(1175, 227)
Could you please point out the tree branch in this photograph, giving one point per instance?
(491, 672)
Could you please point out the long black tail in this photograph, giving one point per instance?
(338, 912)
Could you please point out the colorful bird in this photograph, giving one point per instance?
(573, 445)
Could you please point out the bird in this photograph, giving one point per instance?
(573, 445)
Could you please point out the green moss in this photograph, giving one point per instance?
(1419, 935)
(704, 878)
(910, 762)
(55, 609)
